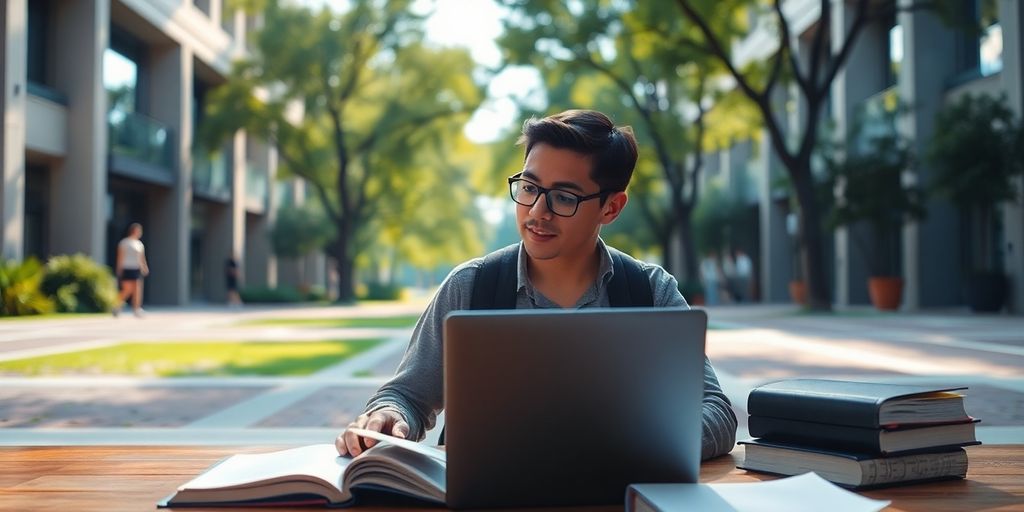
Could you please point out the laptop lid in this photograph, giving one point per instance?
(568, 407)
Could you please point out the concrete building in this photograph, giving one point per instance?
(101, 103)
(926, 64)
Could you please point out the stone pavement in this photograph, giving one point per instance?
(748, 345)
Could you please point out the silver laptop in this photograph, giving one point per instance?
(556, 407)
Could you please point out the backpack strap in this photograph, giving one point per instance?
(494, 286)
(629, 286)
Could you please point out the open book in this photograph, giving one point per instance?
(315, 474)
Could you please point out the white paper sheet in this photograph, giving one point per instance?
(804, 493)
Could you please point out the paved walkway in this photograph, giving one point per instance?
(748, 345)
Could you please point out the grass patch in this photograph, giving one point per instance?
(52, 316)
(192, 359)
(340, 323)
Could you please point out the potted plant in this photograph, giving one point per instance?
(866, 177)
(975, 154)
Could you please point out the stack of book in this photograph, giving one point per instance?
(858, 434)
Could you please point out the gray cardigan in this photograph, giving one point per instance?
(416, 389)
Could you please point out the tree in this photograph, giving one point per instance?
(298, 231)
(370, 99)
(813, 79)
(658, 77)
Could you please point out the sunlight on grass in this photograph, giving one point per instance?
(53, 316)
(169, 359)
(384, 322)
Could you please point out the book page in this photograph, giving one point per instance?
(805, 493)
(318, 463)
(429, 451)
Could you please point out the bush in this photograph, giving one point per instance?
(382, 291)
(20, 292)
(265, 294)
(79, 285)
(693, 292)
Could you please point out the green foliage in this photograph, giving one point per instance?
(977, 149)
(691, 289)
(976, 152)
(266, 294)
(373, 100)
(298, 231)
(20, 292)
(868, 170)
(382, 291)
(79, 285)
(718, 221)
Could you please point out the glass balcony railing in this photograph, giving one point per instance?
(211, 174)
(256, 184)
(141, 138)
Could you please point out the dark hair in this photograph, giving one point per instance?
(612, 150)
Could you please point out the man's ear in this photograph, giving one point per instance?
(613, 207)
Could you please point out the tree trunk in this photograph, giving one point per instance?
(812, 250)
(689, 248)
(665, 237)
(345, 263)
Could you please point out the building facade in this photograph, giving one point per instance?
(101, 105)
(926, 63)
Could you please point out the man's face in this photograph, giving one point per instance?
(548, 236)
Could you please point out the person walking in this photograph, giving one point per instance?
(231, 282)
(130, 268)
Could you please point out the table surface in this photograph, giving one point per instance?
(110, 478)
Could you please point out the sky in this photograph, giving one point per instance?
(474, 24)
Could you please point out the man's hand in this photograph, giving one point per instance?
(387, 420)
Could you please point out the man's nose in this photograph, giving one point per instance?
(541, 208)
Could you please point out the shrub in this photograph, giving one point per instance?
(79, 285)
(265, 294)
(382, 291)
(20, 292)
(693, 291)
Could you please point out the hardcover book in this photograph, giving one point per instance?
(885, 440)
(857, 404)
(854, 470)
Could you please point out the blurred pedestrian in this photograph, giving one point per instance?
(131, 268)
(231, 282)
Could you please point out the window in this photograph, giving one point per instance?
(895, 57)
(980, 48)
(38, 39)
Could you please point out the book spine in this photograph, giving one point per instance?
(926, 466)
(835, 409)
(855, 439)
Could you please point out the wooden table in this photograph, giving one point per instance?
(95, 478)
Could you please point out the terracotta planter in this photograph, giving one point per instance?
(798, 292)
(886, 292)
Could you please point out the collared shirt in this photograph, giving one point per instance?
(416, 390)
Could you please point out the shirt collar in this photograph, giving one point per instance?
(604, 269)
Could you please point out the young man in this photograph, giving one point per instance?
(573, 182)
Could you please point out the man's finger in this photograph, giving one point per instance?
(401, 429)
(352, 444)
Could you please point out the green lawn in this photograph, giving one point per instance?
(337, 323)
(177, 359)
(52, 316)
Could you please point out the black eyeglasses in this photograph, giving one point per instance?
(561, 202)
